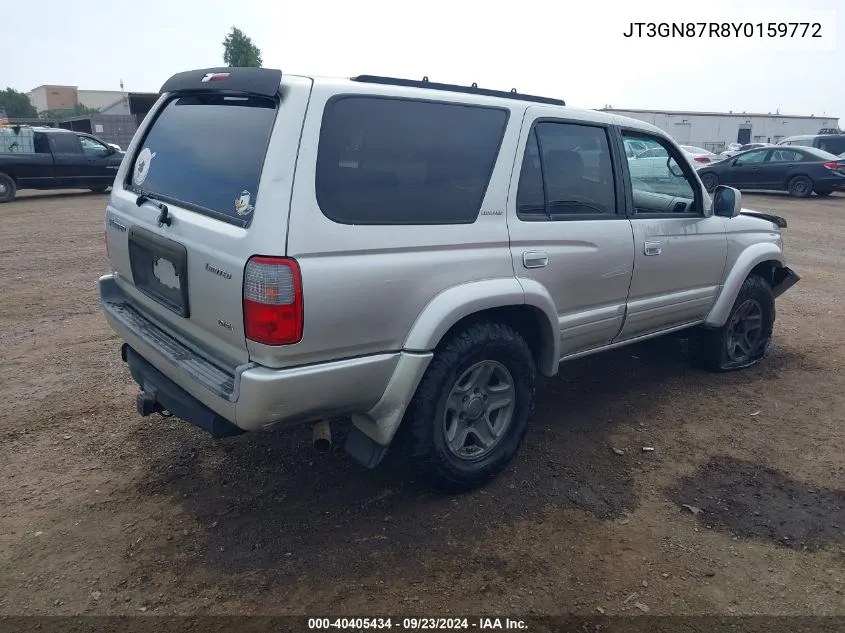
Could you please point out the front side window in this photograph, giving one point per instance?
(402, 161)
(92, 147)
(751, 157)
(206, 152)
(659, 183)
(566, 173)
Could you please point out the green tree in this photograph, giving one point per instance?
(16, 104)
(79, 110)
(239, 51)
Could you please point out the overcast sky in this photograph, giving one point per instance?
(574, 50)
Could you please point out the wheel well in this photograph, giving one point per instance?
(530, 322)
(10, 175)
(767, 271)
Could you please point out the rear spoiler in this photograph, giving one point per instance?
(264, 82)
(781, 222)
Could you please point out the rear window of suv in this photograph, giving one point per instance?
(206, 152)
(401, 161)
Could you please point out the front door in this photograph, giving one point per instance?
(680, 250)
(567, 224)
(100, 162)
(745, 171)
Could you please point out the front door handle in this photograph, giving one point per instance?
(652, 248)
(534, 259)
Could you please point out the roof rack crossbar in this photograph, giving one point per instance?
(473, 89)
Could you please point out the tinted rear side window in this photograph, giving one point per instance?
(832, 145)
(206, 153)
(66, 144)
(398, 161)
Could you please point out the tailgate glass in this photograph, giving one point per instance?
(205, 152)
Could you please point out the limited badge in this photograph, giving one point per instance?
(142, 165)
(242, 205)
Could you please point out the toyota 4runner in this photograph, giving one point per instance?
(410, 255)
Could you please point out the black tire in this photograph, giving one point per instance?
(423, 433)
(800, 187)
(99, 188)
(823, 194)
(8, 189)
(710, 182)
(716, 349)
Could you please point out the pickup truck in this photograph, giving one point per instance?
(51, 158)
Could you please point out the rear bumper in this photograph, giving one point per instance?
(179, 377)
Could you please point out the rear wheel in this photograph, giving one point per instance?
(7, 188)
(800, 187)
(710, 182)
(745, 337)
(470, 412)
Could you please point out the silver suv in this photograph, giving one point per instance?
(411, 255)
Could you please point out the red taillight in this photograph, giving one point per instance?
(835, 165)
(106, 237)
(701, 159)
(273, 301)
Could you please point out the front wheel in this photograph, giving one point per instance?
(800, 187)
(99, 188)
(710, 182)
(470, 412)
(7, 188)
(745, 337)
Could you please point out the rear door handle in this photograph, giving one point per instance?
(534, 259)
(652, 248)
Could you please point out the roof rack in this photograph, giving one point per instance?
(473, 89)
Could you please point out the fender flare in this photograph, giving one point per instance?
(458, 302)
(745, 263)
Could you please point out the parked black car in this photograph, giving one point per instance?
(56, 159)
(798, 170)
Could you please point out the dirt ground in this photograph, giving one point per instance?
(739, 509)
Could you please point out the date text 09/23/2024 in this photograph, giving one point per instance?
(416, 624)
(724, 29)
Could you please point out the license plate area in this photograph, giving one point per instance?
(160, 269)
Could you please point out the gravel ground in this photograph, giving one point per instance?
(739, 509)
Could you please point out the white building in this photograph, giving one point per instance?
(714, 130)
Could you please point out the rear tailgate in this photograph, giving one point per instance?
(195, 198)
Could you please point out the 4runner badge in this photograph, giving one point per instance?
(491, 212)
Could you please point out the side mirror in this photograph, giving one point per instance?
(727, 202)
(110, 150)
(674, 168)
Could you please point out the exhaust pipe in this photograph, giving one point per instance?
(322, 438)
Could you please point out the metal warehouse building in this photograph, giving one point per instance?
(714, 130)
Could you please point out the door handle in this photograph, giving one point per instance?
(652, 248)
(534, 259)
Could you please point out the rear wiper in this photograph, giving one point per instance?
(163, 217)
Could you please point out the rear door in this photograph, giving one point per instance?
(70, 163)
(200, 154)
(567, 223)
(781, 164)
